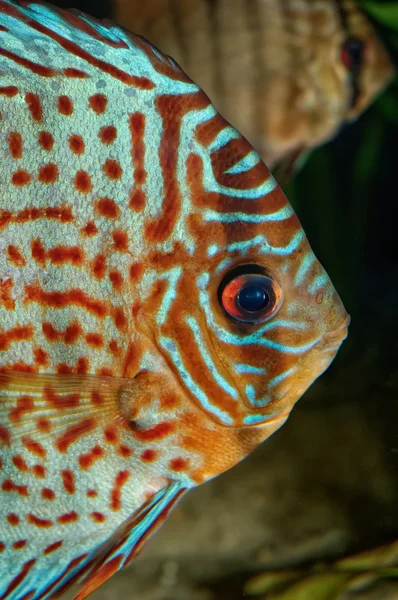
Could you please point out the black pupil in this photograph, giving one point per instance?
(355, 50)
(253, 298)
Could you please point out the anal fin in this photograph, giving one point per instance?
(130, 538)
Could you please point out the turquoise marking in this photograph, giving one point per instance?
(248, 162)
(296, 325)
(280, 215)
(275, 380)
(244, 245)
(202, 281)
(303, 269)
(255, 419)
(221, 382)
(223, 264)
(226, 135)
(318, 283)
(251, 396)
(243, 368)
(212, 250)
(285, 250)
(172, 276)
(170, 347)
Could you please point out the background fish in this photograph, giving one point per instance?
(287, 73)
(161, 309)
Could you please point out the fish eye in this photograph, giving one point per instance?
(352, 53)
(248, 294)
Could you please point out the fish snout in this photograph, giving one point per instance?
(335, 337)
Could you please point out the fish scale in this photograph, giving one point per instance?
(131, 212)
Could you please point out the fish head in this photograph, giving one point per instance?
(255, 318)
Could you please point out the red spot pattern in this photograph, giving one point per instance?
(98, 103)
(112, 169)
(120, 480)
(19, 544)
(76, 144)
(53, 547)
(111, 435)
(48, 173)
(34, 106)
(91, 494)
(10, 486)
(6, 299)
(148, 455)
(38, 251)
(15, 144)
(99, 266)
(63, 254)
(9, 90)
(21, 178)
(73, 297)
(68, 481)
(108, 134)
(120, 240)
(61, 213)
(65, 106)
(97, 517)
(90, 229)
(33, 447)
(77, 73)
(20, 463)
(157, 432)
(125, 451)
(24, 405)
(66, 518)
(43, 425)
(16, 334)
(73, 433)
(13, 519)
(61, 402)
(46, 140)
(119, 318)
(96, 398)
(38, 522)
(39, 471)
(136, 270)
(41, 356)
(137, 130)
(47, 494)
(108, 208)
(82, 182)
(95, 340)
(87, 460)
(178, 464)
(116, 279)
(2, 546)
(15, 256)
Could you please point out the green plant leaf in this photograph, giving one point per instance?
(386, 12)
(321, 586)
(270, 581)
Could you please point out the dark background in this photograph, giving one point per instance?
(327, 484)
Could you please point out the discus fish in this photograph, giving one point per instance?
(287, 73)
(160, 307)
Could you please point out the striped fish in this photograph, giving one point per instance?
(287, 73)
(161, 310)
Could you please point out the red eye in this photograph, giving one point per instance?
(352, 54)
(249, 296)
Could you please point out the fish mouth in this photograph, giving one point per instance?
(334, 338)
